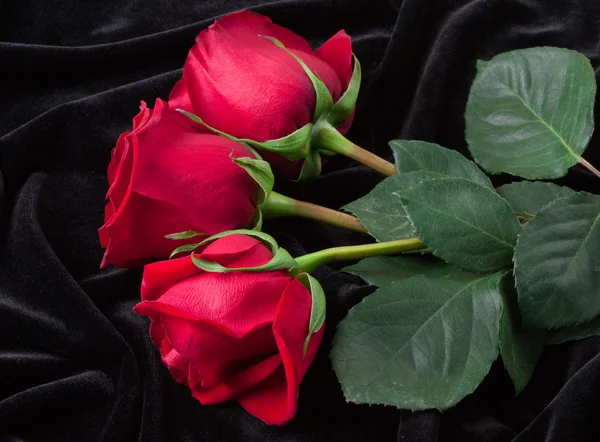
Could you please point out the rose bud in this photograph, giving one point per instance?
(249, 78)
(237, 335)
(165, 178)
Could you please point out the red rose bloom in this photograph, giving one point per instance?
(235, 335)
(246, 86)
(165, 178)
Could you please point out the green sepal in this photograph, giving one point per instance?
(317, 311)
(327, 153)
(185, 248)
(311, 167)
(323, 98)
(197, 119)
(255, 231)
(281, 258)
(343, 108)
(183, 235)
(261, 172)
(292, 146)
(258, 220)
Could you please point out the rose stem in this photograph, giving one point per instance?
(278, 205)
(589, 167)
(326, 137)
(310, 262)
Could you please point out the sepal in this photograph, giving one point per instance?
(183, 235)
(261, 172)
(292, 146)
(281, 258)
(317, 311)
(344, 107)
(311, 167)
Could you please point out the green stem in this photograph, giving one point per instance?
(589, 166)
(278, 205)
(326, 137)
(310, 262)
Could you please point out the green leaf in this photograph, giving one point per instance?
(343, 108)
(419, 343)
(557, 263)
(529, 112)
(527, 197)
(281, 258)
(384, 270)
(184, 235)
(317, 311)
(261, 172)
(323, 100)
(520, 348)
(293, 146)
(411, 156)
(381, 213)
(576, 332)
(463, 223)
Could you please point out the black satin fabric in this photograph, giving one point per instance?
(76, 364)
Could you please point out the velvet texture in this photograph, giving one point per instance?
(77, 364)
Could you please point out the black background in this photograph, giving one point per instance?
(77, 365)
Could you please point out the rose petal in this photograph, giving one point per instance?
(239, 302)
(275, 400)
(270, 400)
(291, 328)
(247, 24)
(160, 276)
(179, 98)
(232, 251)
(134, 241)
(272, 96)
(195, 174)
(337, 52)
(216, 357)
(220, 358)
(142, 117)
(238, 383)
(177, 364)
(167, 178)
(245, 97)
(237, 251)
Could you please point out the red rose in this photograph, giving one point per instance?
(246, 86)
(165, 178)
(235, 335)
